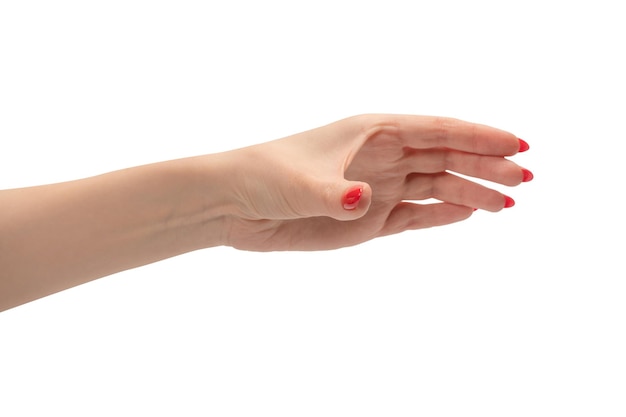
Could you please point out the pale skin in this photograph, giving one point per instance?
(295, 193)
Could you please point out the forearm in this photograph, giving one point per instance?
(57, 236)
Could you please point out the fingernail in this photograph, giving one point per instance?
(351, 199)
(527, 175)
(523, 146)
(508, 202)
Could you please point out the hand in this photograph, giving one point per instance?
(339, 185)
(358, 178)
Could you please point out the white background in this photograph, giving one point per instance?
(518, 313)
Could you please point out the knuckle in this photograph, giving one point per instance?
(441, 127)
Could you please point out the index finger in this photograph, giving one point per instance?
(426, 132)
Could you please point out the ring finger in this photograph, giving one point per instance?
(452, 189)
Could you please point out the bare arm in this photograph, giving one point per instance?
(57, 236)
(338, 185)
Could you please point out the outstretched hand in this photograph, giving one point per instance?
(338, 185)
(361, 177)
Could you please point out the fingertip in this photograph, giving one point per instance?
(351, 198)
(523, 145)
(527, 175)
(355, 201)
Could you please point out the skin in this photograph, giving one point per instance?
(286, 194)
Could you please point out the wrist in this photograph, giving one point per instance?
(202, 200)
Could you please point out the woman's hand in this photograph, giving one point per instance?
(358, 178)
(335, 186)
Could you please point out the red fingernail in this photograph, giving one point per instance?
(351, 199)
(527, 175)
(508, 202)
(523, 146)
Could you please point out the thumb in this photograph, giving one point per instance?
(347, 200)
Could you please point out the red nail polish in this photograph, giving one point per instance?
(508, 202)
(351, 199)
(523, 146)
(527, 175)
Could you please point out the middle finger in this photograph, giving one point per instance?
(490, 168)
